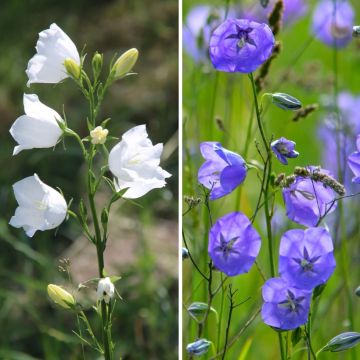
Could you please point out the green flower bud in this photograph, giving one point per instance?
(197, 310)
(356, 31)
(60, 296)
(342, 342)
(357, 291)
(125, 63)
(185, 253)
(72, 68)
(285, 101)
(97, 62)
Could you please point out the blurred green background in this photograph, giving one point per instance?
(304, 70)
(142, 247)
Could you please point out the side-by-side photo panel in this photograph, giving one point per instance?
(271, 186)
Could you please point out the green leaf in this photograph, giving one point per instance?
(296, 336)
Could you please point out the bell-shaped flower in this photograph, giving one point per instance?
(285, 307)
(135, 163)
(38, 128)
(283, 149)
(234, 244)
(40, 206)
(48, 64)
(105, 290)
(306, 257)
(240, 45)
(222, 171)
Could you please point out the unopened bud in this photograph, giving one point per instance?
(98, 135)
(198, 347)
(342, 342)
(72, 68)
(60, 296)
(197, 310)
(185, 253)
(356, 31)
(357, 291)
(125, 63)
(97, 62)
(285, 101)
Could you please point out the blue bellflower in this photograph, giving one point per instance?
(354, 162)
(240, 45)
(222, 171)
(283, 149)
(234, 244)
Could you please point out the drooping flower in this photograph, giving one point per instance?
(285, 307)
(98, 135)
(283, 149)
(307, 200)
(233, 244)
(306, 257)
(354, 162)
(222, 171)
(333, 30)
(105, 290)
(240, 45)
(199, 24)
(40, 206)
(135, 163)
(53, 48)
(38, 128)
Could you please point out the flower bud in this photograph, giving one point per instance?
(60, 296)
(357, 291)
(125, 63)
(356, 31)
(98, 135)
(198, 347)
(97, 62)
(72, 68)
(285, 101)
(342, 342)
(197, 310)
(185, 253)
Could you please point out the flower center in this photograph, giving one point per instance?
(226, 247)
(291, 303)
(243, 37)
(306, 262)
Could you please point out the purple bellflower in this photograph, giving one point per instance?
(200, 22)
(307, 200)
(285, 307)
(306, 257)
(234, 244)
(240, 45)
(222, 171)
(283, 149)
(333, 30)
(354, 162)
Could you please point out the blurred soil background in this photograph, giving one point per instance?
(142, 247)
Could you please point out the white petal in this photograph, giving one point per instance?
(53, 47)
(30, 219)
(33, 107)
(29, 191)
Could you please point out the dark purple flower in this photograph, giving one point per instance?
(240, 45)
(333, 30)
(283, 148)
(200, 22)
(306, 257)
(222, 171)
(354, 162)
(307, 200)
(233, 244)
(285, 307)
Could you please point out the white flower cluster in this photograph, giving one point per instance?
(134, 161)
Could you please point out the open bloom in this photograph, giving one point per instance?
(38, 128)
(234, 244)
(285, 307)
(105, 290)
(135, 163)
(333, 30)
(354, 162)
(98, 135)
(222, 171)
(306, 257)
(240, 45)
(53, 48)
(40, 206)
(307, 200)
(283, 149)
